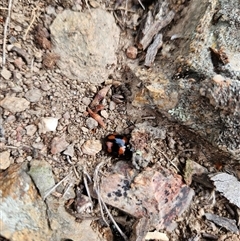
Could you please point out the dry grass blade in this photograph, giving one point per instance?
(141, 4)
(88, 7)
(168, 159)
(54, 187)
(86, 186)
(96, 188)
(68, 187)
(102, 203)
(33, 18)
(7, 22)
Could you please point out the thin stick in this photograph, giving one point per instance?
(68, 187)
(168, 159)
(141, 4)
(88, 7)
(88, 176)
(68, 160)
(33, 16)
(97, 189)
(54, 187)
(7, 22)
(120, 8)
(75, 171)
(111, 217)
(87, 189)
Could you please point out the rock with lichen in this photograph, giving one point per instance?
(196, 79)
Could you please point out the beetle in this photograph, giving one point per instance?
(118, 145)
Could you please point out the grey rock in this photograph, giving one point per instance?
(14, 104)
(24, 214)
(33, 95)
(229, 186)
(91, 123)
(227, 223)
(86, 44)
(41, 173)
(200, 99)
(6, 74)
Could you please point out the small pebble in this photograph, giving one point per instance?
(6, 74)
(9, 47)
(69, 151)
(11, 118)
(104, 114)
(171, 143)
(38, 145)
(45, 86)
(112, 105)
(47, 124)
(50, 10)
(58, 144)
(86, 101)
(91, 123)
(38, 56)
(31, 129)
(12, 40)
(18, 28)
(29, 158)
(4, 160)
(131, 52)
(20, 160)
(84, 129)
(92, 147)
(218, 78)
(33, 95)
(66, 115)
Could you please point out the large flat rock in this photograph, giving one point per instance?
(86, 43)
(198, 83)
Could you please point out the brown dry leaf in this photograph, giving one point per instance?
(97, 117)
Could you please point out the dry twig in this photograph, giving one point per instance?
(88, 7)
(102, 203)
(175, 158)
(33, 18)
(54, 187)
(168, 159)
(7, 22)
(141, 4)
(85, 174)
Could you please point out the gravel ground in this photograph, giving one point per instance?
(51, 94)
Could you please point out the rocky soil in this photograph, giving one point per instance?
(73, 72)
